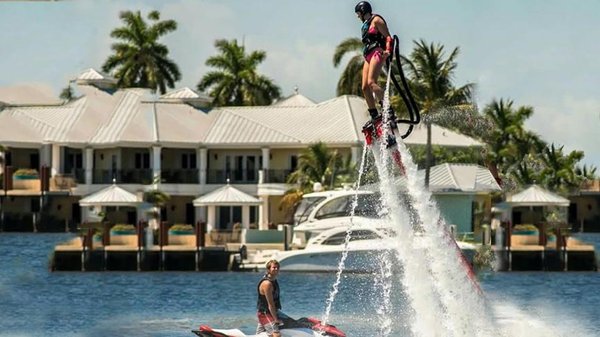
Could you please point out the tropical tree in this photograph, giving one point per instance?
(350, 82)
(559, 173)
(431, 76)
(139, 60)
(236, 81)
(508, 141)
(67, 94)
(317, 164)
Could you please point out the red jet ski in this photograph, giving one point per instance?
(303, 327)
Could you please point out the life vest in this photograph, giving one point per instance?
(261, 303)
(371, 40)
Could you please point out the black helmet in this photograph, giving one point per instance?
(363, 8)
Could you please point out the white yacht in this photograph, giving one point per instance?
(321, 211)
(371, 242)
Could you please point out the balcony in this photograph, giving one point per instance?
(234, 176)
(276, 176)
(123, 176)
(180, 176)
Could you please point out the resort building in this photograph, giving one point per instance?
(57, 153)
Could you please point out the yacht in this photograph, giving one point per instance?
(371, 242)
(320, 211)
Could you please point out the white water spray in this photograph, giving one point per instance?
(342, 263)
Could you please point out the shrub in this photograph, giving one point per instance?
(484, 258)
(182, 228)
(525, 228)
(26, 173)
(123, 228)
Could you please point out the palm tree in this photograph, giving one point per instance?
(431, 79)
(67, 94)
(350, 82)
(236, 82)
(317, 164)
(139, 60)
(559, 173)
(508, 142)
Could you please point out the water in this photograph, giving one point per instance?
(35, 302)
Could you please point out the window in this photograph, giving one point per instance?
(307, 205)
(188, 161)
(363, 235)
(367, 206)
(356, 235)
(293, 163)
(142, 160)
(336, 239)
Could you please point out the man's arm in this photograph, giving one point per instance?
(267, 289)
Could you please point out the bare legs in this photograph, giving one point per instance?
(371, 90)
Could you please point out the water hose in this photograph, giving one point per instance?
(404, 91)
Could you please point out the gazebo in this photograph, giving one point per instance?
(227, 196)
(534, 196)
(111, 196)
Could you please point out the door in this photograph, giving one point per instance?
(190, 213)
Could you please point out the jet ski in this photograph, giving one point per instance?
(303, 327)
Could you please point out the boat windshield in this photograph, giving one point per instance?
(306, 206)
(342, 206)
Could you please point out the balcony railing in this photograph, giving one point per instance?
(276, 176)
(180, 176)
(123, 176)
(234, 176)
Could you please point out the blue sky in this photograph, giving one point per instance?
(541, 53)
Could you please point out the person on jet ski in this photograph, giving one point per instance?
(268, 304)
(377, 46)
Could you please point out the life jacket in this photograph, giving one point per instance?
(261, 303)
(371, 40)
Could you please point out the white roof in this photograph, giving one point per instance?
(93, 74)
(295, 100)
(330, 122)
(185, 93)
(133, 117)
(226, 195)
(537, 196)
(439, 136)
(124, 117)
(111, 196)
(462, 177)
(28, 94)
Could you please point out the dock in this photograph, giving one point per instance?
(542, 252)
(132, 251)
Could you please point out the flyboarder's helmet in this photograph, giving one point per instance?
(363, 8)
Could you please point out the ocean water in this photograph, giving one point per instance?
(36, 302)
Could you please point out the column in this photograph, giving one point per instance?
(356, 154)
(56, 155)
(89, 165)
(202, 157)
(44, 153)
(263, 212)
(266, 155)
(246, 216)
(156, 163)
(212, 218)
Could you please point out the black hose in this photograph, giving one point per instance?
(404, 91)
